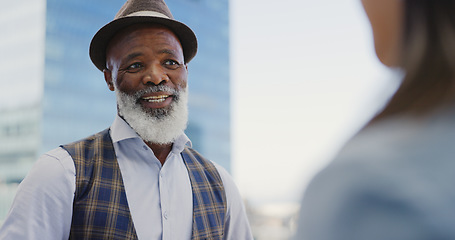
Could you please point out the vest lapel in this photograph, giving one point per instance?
(209, 198)
(100, 208)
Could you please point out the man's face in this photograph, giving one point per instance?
(144, 56)
(146, 68)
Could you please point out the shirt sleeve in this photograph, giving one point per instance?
(237, 225)
(42, 207)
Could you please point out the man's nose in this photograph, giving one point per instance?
(155, 76)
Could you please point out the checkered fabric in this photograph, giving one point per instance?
(209, 197)
(100, 208)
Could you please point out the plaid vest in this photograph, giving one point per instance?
(100, 208)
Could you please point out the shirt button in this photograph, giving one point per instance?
(145, 147)
(165, 215)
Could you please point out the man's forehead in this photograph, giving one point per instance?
(134, 42)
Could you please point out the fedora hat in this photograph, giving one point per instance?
(141, 11)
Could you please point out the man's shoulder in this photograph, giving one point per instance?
(193, 159)
(102, 135)
(95, 147)
(194, 153)
(225, 177)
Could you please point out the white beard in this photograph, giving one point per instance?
(160, 126)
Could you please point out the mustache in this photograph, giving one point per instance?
(154, 89)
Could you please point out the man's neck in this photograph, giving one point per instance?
(161, 151)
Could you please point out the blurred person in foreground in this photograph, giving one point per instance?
(138, 179)
(394, 179)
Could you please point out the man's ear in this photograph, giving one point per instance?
(108, 79)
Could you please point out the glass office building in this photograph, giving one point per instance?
(77, 101)
(22, 26)
(209, 77)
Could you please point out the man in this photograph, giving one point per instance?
(138, 179)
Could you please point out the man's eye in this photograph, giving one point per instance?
(171, 64)
(134, 67)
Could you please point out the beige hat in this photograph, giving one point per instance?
(141, 11)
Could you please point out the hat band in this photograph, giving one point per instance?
(147, 14)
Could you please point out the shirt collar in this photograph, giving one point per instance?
(120, 131)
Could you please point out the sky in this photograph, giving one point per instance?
(305, 78)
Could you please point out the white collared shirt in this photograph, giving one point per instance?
(159, 196)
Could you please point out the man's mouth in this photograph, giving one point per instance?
(156, 99)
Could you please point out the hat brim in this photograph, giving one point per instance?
(101, 39)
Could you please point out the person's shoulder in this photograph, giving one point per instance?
(53, 170)
(224, 174)
(230, 187)
(402, 138)
(58, 155)
(402, 156)
(104, 134)
(402, 166)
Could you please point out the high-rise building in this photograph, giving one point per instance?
(22, 27)
(70, 99)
